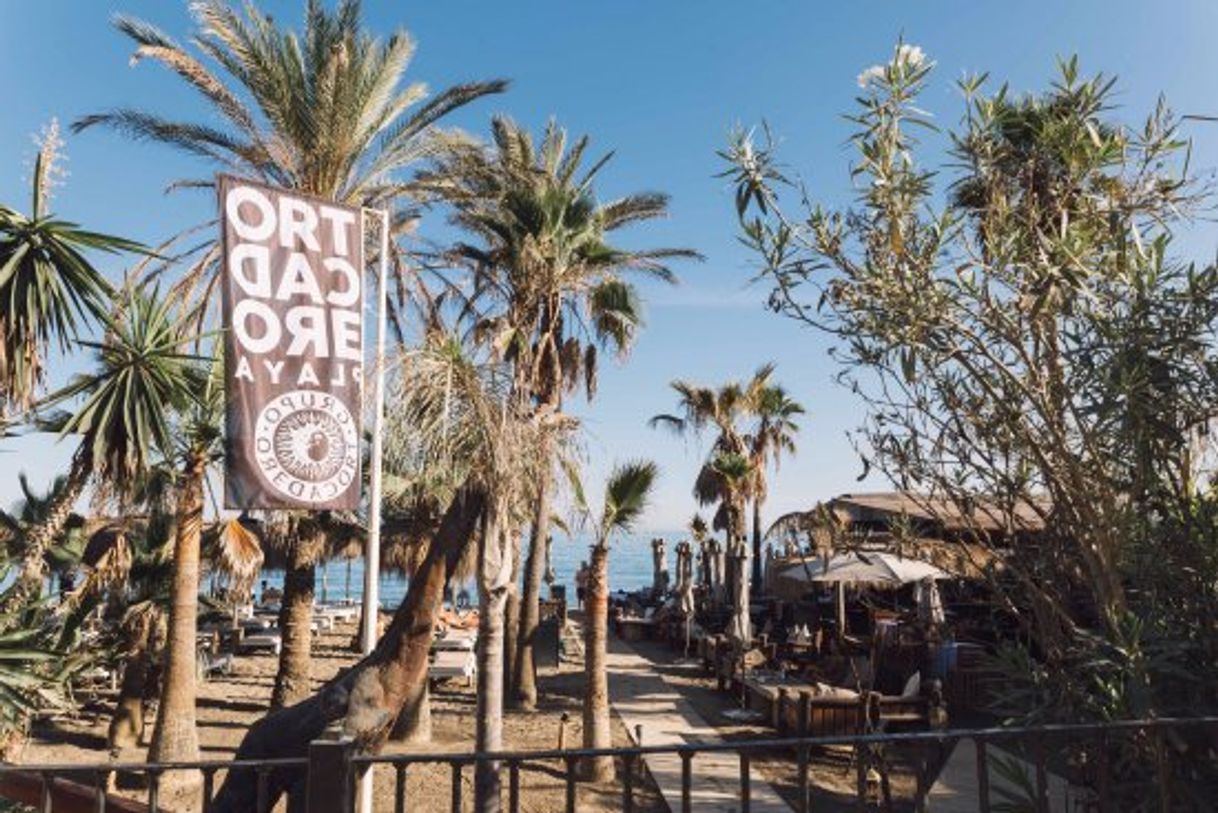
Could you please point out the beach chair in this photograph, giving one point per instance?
(452, 663)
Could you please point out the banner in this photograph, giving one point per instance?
(293, 306)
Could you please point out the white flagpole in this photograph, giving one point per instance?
(372, 552)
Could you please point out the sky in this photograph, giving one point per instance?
(660, 84)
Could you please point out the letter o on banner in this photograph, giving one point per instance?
(269, 339)
(247, 230)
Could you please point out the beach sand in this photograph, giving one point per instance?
(228, 705)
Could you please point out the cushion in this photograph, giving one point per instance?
(913, 686)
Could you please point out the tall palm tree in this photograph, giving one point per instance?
(549, 290)
(323, 113)
(142, 374)
(724, 409)
(626, 495)
(773, 435)
(48, 288)
(197, 445)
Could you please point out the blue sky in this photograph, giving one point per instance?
(662, 84)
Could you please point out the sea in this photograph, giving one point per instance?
(630, 568)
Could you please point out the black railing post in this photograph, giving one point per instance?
(456, 794)
(571, 763)
(687, 776)
(330, 786)
(399, 788)
(745, 789)
(628, 783)
(514, 786)
(983, 776)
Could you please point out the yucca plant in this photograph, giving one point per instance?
(120, 418)
(49, 290)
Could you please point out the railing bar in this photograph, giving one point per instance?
(47, 800)
(687, 758)
(860, 777)
(1042, 777)
(514, 786)
(628, 784)
(1105, 776)
(571, 762)
(99, 780)
(154, 791)
(209, 788)
(263, 801)
(399, 790)
(745, 787)
(805, 800)
(456, 783)
(983, 776)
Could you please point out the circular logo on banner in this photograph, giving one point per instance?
(307, 445)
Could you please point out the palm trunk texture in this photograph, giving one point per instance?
(597, 733)
(368, 698)
(176, 737)
(295, 623)
(524, 695)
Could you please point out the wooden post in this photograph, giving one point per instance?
(329, 787)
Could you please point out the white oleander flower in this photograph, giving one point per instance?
(873, 74)
(911, 55)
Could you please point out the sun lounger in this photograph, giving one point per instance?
(456, 640)
(453, 664)
(264, 639)
(338, 612)
(215, 664)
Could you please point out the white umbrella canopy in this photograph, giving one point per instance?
(861, 567)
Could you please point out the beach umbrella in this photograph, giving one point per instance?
(930, 601)
(739, 628)
(871, 568)
(713, 553)
(659, 584)
(877, 568)
(685, 587)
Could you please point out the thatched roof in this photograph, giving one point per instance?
(983, 514)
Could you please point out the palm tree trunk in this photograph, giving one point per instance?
(596, 695)
(756, 546)
(524, 695)
(176, 737)
(511, 621)
(369, 697)
(127, 723)
(295, 625)
(28, 585)
(414, 722)
(494, 577)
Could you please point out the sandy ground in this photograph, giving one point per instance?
(228, 705)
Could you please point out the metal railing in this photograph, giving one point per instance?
(1035, 740)
(332, 767)
(52, 788)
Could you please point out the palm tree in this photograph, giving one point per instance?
(322, 113)
(301, 540)
(142, 375)
(773, 434)
(47, 286)
(549, 291)
(626, 495)
(727, 409)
